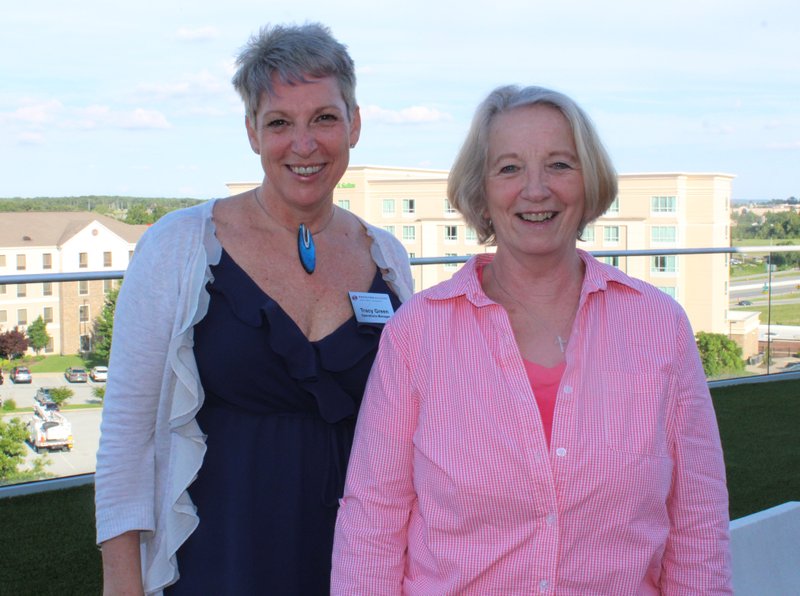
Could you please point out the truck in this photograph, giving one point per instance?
(49, 430)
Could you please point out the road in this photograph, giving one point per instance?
(85, 423)
(753, 288)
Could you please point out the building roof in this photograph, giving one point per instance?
(35, 228)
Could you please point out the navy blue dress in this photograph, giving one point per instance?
(279, 415)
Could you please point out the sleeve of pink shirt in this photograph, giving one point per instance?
(371, 530)
(696, 558)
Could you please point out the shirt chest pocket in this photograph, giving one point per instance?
(635, 412)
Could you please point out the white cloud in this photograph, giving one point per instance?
(197, 33)
(201, 83)
(790, 146)
(411, 115)
(142, 119)
(30, 138)
(39, 113)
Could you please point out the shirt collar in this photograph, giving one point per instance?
(464, 282)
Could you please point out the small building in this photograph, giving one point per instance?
(61, 242)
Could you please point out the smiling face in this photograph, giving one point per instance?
(534, 184)
(303, 134)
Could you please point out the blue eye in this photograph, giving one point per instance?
(509, 169)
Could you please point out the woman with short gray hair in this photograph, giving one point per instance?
(238, 360)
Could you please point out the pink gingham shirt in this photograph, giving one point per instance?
(451, 488)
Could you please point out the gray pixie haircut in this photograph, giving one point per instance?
(466, 184)
(293, 53)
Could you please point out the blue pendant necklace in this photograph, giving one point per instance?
(306, 249)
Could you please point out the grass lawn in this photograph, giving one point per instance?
(53, 550)
(48, 546)
(55, 364)
(781, 314)
(758, 426)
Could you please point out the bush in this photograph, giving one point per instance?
(99, 391)
(60, 395)
(9, 405)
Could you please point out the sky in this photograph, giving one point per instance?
(99, 97)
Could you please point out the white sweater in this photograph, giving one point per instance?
(151, 446)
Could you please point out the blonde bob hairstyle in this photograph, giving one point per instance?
(466, 184)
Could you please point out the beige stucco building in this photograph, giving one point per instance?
(652, 211)
(61, 242)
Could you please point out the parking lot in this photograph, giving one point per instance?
(85, 423)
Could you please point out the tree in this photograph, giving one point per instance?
(13, 344)
(12, 447)
(38, 338)
(104, 326)
(719, 354)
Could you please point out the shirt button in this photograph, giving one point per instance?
(543, 585)
(561, 452)
(551, 519)
(567, 389)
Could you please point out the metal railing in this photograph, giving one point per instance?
(22, 278)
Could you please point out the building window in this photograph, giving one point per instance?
(3, 316)
(47, 316)
(47, 289)
(448, 208)
(86, 343)
(22, 290)
(2, 260)
(663, 205)
(21, 266)
(2, 288)
(669, 291)
(613, 261)
(130, 256)
(22, 316)
(412, 255)
(409, 233)
(613, 208)
(588, 234)
(451, 265)
(663, 234)
(451, 232)
(47, 261)
(83, 313)
(83, 288)
(611, 234)
(344, 203)
(83, 260)
(49, 348)
(388, 206)
(471, 235)
(408, 206)
(389, 229)
(108, 285)
(106, 259)
(663, 264)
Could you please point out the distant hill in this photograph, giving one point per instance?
(132, 210)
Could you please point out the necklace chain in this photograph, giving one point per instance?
(562, 343)
(287, 228)
(306, 249)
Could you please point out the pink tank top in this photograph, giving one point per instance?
(544, 382)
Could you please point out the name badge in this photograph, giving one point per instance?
(371, 308)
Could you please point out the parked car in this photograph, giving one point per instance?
(20, 374)
(43, 395)
(744, 303)
(99, 374)
(792, 367)
(76, 375)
